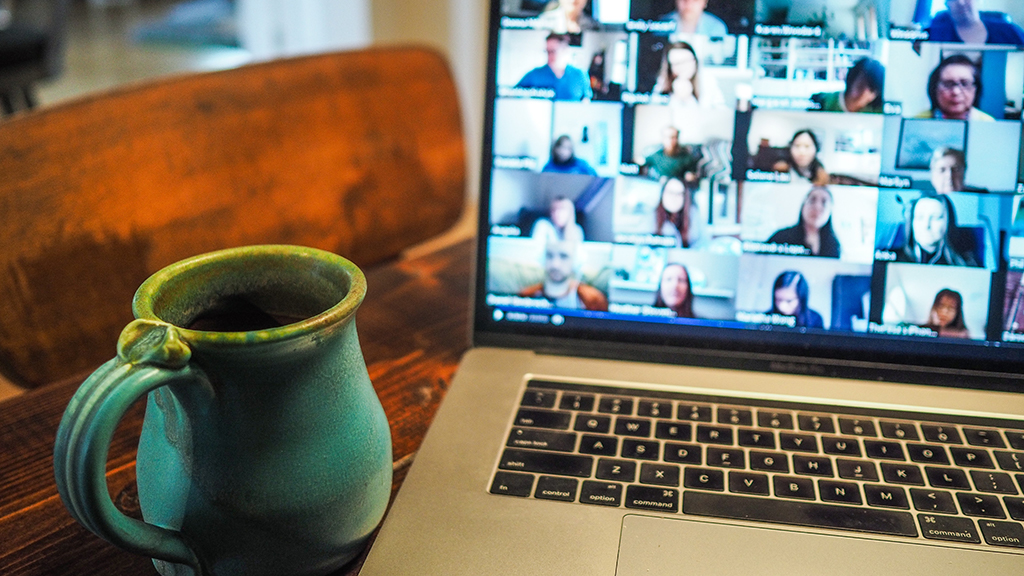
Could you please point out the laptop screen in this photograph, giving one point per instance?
(837, 179)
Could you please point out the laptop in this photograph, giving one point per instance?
(749, 298)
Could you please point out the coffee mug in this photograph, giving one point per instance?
(264, 448)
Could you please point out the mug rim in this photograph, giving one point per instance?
(148, 293)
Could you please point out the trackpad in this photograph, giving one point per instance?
(651, 546)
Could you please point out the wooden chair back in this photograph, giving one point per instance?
(360, 153)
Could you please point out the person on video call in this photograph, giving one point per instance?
(560, 285)
(789, 298)
(560, 224)
(947, 315)
(813, 229)
(566, 16)
(865, 82)
(677, 216)
(675, 291)
(946, 170)
(963, 21)
(679, 78)
(672, 160)
(564, 160)
(954, 89)
(568, 81)
(801, 159)
(691, 17)
(932, 236)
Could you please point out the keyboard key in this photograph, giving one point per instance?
(980, 505)
(633, 427)
(982, 437)
(539, 398)
(693, 412)
(673, 431)
(595, 424)
(947, 478)
(725, 457)
(654, 409)
(703, 479)
(776, 420)
(840, 446)
(899, 430)
(747, 483)
(927, 454)
(948, 528)
(812, 465)
(884, 450)
(857, 469)
(996, 482)
(816, 423)
(933, 501)
(799, 513)
(769, 461)
(542, 440)
(611, 405)
(683, 453)
(543, 419)
(599, 445)
(617, 470)
(660, 474)
(902, 474)
(578, 402)
(793, 487)
(546, 463)
(842, 492)
(1012, 461)
(857, 427)
(1009, 534)
(640, 449)
(736, 416)
(944, 434)
(755, 438)
(651, 498)
(798, 442)
(512, 484)
(1015, 438)
(601, 493)
(714, 435)
(555, 488)
(882, 496)
(971, 457)
(1015, 506)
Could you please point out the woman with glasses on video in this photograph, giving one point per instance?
(954, 89)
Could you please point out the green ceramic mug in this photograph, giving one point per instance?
(264, 449)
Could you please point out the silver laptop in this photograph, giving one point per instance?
(749, 297)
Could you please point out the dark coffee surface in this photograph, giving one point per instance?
(238, 314)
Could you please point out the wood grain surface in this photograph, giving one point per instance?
(360, 153)
(413, 328)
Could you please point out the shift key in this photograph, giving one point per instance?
(547, 463)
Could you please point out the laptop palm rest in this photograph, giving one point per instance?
(652, 546)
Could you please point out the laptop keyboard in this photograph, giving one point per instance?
(866, 470)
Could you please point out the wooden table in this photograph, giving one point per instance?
(413, 327)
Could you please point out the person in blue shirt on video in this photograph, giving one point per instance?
(568, 81)
(564, 160)
(790, 294)
(963, 21)
(690, 18)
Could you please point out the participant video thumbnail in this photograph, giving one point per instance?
(972, 22)
(929, 301)
(820, 19)
(563, 206)
(553, 274)
(950, 155)
(713, 18)
(802, 293)
(565, 16)
(673, 283)
(810, 220)
(544, 64)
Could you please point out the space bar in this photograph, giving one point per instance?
(799, 513)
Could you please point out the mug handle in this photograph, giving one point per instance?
(149, 355)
